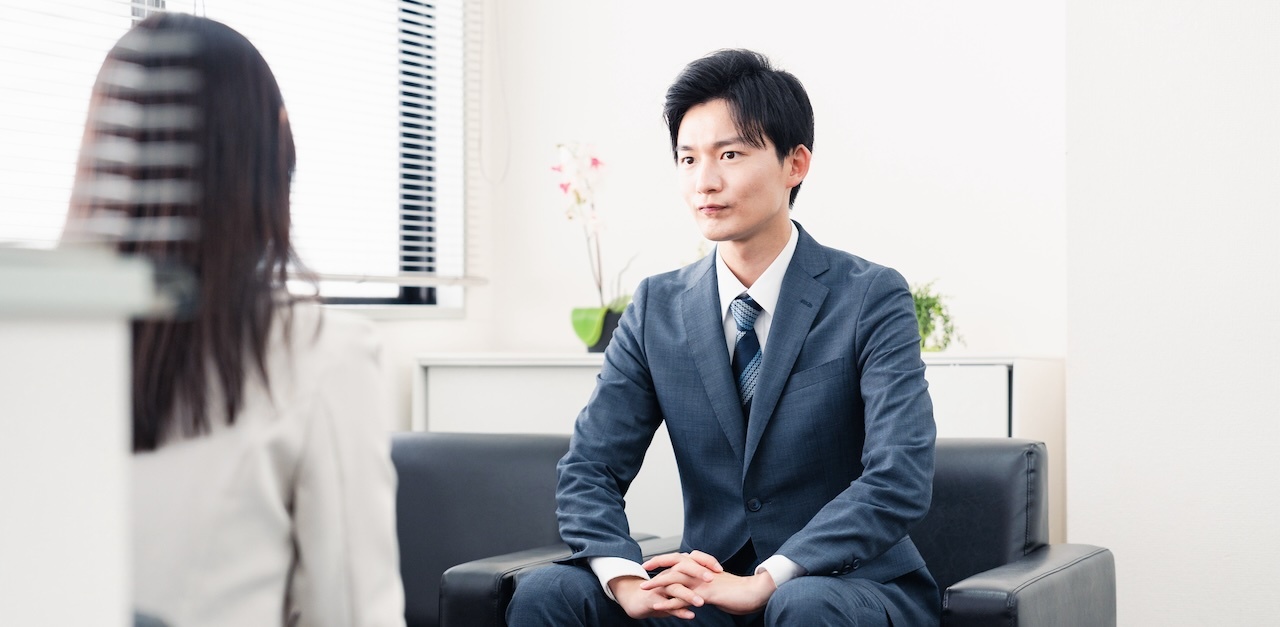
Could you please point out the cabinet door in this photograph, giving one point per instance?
(970, 400)
(507, 399)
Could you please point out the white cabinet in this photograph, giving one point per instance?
(539, 393)
(64, 434)
(502, 393)
(515, 393)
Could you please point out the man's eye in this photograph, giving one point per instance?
(732, 154)
(686, 160)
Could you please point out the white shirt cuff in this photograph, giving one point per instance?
(609, 568)
(781, 569)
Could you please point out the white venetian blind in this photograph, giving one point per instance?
(49, 55)
(375, 98)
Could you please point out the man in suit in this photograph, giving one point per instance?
(790, 380)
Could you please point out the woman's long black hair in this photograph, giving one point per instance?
(205, 140)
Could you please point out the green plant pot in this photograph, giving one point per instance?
(595, 326)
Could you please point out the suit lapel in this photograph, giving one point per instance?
(704, 327)
(798, 303)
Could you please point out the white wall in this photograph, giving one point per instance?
(1173, 198)
(939, 151)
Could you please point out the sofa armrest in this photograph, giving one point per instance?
(653, 545)
(1060, 585)
(476, 594)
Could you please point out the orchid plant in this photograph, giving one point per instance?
(579, 170)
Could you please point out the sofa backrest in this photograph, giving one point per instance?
(990, 506)
(463, 497)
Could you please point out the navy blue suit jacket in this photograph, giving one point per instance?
(837, 461)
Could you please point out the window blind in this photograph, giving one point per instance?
(374, 92)
(50, 53)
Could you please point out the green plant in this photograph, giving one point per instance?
(937, 331)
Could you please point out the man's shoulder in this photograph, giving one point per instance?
(680, 279)
(840, 266)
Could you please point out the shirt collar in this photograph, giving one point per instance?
(766, 289)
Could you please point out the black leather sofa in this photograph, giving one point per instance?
(985, 538)
(462, 497)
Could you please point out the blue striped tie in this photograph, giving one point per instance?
(746, 351)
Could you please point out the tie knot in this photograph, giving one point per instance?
(745, 311)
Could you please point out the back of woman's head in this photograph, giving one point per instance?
(187, 126)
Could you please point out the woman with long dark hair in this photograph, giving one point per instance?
(263, 492)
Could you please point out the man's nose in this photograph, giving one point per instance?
(708, 179)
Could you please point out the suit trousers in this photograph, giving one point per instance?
(567, 596)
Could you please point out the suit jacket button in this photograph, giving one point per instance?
(753, 505)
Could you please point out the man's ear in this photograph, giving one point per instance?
(797, 165)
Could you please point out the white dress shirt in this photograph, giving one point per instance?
(765, 292)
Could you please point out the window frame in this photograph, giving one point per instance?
(418, 242)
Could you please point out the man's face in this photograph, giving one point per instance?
(737, 191)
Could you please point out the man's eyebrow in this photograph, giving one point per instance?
(737, 140)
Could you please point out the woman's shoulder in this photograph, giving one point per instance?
(317, 353)
(310, 323)
(314, 337)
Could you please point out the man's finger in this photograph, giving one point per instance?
(678, 596)
(686, 571)
(672, 576)
(663, 561)
(707, 560)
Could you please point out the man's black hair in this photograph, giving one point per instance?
(765, 102)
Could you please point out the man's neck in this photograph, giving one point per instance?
(747, 260)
